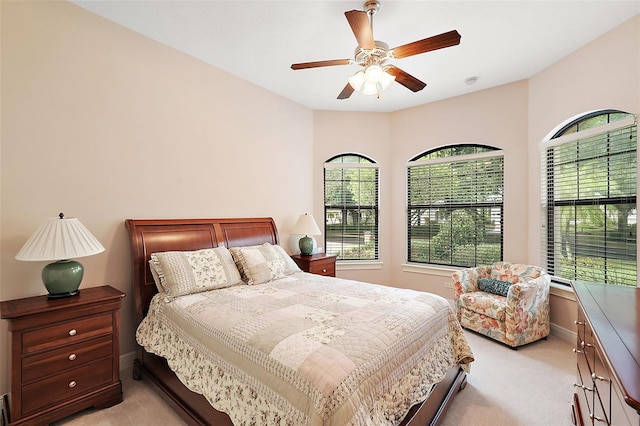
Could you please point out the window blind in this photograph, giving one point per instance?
(589, 204)
(455, 208)
(351, 209)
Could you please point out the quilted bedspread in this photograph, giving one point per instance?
(307, 349)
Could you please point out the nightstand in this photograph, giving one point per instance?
(319, 263)
(65, 354)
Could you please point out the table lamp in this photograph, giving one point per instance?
(61, 239)
(306, 226)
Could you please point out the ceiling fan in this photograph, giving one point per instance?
(372, 55)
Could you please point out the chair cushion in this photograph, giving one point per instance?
(489, 304)
(494, 286)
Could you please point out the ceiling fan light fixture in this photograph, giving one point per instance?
(372, 55)
(373, 80)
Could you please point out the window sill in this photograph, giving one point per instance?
(427, 269)
(353, 265)
(561, 290)
(556, 289)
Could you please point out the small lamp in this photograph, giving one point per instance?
(61, 239)
(306, 226)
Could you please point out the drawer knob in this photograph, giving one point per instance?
(583, 387)
(588, 345)
(596, 418)
(72, 384)
(576, 322)
(577, 351)
(594, 376)
(73, 332)
(324, 270)
(72, 357)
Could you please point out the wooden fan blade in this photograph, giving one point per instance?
(317, 64)
(346, 92)
(428, 44)
(407, 80)
(361, 27)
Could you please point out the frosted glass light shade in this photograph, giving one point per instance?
(386, 79)
(373, 74)
(370, 89)
(357, 80)
(60, 239)
(373, 80)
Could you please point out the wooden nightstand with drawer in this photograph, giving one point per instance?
(65, 354)
(320, 263)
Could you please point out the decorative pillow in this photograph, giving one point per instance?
(260, 264)
(494, 286)
(290, 267)
(188, 272)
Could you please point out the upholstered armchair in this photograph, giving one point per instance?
(508, 302)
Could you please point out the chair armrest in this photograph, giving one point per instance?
(527, 298)
(465, 281)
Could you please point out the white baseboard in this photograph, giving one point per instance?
(564, 334)
(126, 361)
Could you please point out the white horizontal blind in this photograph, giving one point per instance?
(589, 204)
(455, 208)
(351, 208)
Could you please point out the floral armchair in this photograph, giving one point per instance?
(508, 302)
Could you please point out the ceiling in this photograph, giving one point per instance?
(502, 41)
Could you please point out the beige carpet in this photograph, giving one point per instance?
(530, 386)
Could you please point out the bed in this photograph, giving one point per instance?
(150, 236)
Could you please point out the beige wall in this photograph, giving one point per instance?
(104, 124)
(368, 134)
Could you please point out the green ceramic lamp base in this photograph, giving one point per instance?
(62, 278)
(306, 245)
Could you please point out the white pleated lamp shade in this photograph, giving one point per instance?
(60, 239)
(306, 225)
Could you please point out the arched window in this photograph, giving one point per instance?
(351, 207)
(455, 206)
(589, 199)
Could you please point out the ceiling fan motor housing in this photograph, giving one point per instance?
(378, 55)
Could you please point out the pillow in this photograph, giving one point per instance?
(188, 272)
(494, 286)
(290, 266)
(264, 263)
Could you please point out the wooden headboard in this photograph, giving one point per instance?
(148, 236)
